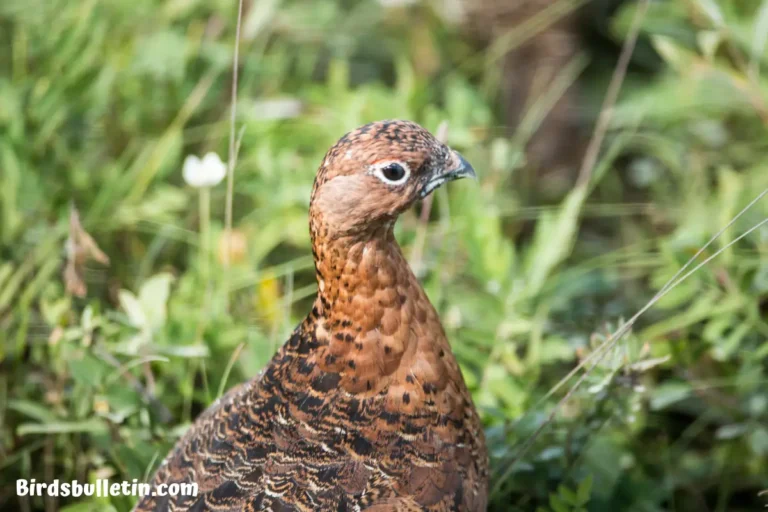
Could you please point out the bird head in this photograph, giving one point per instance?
(377, 171)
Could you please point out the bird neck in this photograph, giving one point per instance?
(350, 268)
(372, 321)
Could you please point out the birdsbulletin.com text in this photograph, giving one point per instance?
(102, 487)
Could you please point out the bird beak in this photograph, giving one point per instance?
(460, 168)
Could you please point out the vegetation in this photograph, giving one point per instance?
(103, 366)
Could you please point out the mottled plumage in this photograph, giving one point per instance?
(364, 407)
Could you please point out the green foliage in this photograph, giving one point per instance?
(101, 101)
(567, 500)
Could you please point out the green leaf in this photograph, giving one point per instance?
(123, 401)
(159, 206)
(88, 370)
(603, 458)
(34, 410)
(553, 239)
(162, 55)
(584, 490)
(153, 297)
(709, 41)
(731, 431)
(6, 269)
(186, 351)
(667, 394)
(725, 348)
(758, 441)
(10, 214)
(557, 503)
(133, 309)
(711, 10)
(91, 426)
(567, 495)
(95, 505)
(555, 349)
(678, 57)
(491, 254)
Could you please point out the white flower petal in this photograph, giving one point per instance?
(192, 171)
(214, 169)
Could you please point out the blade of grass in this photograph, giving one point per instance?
(232, 121)
(233, 150)
(612, 94)
(228, 369)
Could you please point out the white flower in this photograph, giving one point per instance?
(207, 172)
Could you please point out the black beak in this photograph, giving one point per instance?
(460, 169)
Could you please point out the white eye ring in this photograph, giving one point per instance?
(379, 168)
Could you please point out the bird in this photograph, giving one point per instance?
(364, 407)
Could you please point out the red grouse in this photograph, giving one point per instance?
(364, 407)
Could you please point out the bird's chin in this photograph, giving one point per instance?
(460, 169)
(433, 185)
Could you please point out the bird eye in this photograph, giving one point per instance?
(392, 173)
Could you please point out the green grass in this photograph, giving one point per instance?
(101, 101)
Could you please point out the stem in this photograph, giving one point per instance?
(232, 120)
(205, 234)
(612, 94)
(232, 155)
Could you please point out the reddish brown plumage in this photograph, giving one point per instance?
(364, 407)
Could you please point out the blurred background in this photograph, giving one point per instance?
(125, 309)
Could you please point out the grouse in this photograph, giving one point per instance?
(364, 407)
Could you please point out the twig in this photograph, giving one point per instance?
(611, 95)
